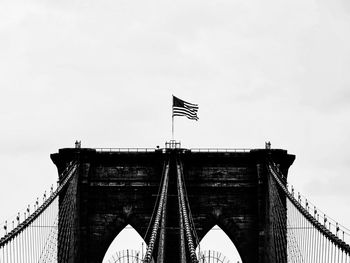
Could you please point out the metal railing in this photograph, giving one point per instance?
(220, 150)
(142, 150)
(131, 150)
(172, 144)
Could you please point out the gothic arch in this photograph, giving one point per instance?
(227, 246)
(134, 241)
(231, 230)
(113, 230)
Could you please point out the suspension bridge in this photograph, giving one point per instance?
(173, 197)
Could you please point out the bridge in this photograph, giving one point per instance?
(172, 197)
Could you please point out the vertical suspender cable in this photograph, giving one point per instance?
(309, 241)
(300, 237)
(21, 253)
(14, 252)
(25, 255)
(338, 252)
(325, 255)
(35, 242)
(318, 252)
(32, 243)
(36, 236)
(336, 256)
(332, 251)
(305, 234)
(329, 251)
(22, 247)
(17, 248)
(41, 234)
(319, 247)
(11, 250)
(322, 248)
(14, 249)
(43, 248)
(34, 228)
(335, 253)
(314, 244)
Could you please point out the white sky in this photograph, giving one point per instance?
(103, 72)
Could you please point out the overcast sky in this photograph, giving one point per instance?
(103, 72)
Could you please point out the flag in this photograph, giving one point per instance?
(183, 108)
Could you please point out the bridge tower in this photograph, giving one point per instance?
(228, 188)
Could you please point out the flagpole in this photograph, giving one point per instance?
(172, 126)
(172, 117)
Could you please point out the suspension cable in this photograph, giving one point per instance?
(157, 199)
(154, 233)
(194, 232)
(67, 174)
(161, 243)
(313, 222)
(190, 243)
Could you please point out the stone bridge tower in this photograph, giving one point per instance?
(225, 188)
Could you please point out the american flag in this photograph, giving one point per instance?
(183, 108)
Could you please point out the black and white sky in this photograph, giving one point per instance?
(103, 72)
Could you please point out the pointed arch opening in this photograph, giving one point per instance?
(220, 246)
(128, 243)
